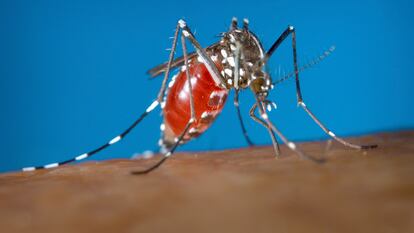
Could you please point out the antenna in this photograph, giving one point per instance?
(310, 64)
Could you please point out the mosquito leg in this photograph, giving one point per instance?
(161, 93)
(330, 133)
(301, 103)
(236, 104)
(190, 85)
(169, 153)
(236, 72)
(104, 146)
(290, 144)
(190, 121)
(211, 67)
(271, 133)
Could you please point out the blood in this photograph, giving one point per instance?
(209, 100)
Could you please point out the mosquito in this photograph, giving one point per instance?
(190, 105)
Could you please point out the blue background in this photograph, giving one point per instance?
(73, 76)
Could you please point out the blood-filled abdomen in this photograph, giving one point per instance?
(209, 100)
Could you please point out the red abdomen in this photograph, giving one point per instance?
(209, 100)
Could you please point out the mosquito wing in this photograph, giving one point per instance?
(154, 72)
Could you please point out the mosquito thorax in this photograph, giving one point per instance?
(245, 45)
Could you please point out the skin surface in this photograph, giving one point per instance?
(240, 190)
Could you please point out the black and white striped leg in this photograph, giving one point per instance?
(191, 120)
(236, 104)
(111, 142)
(123, 134)
(271, 133)
(331, 134)
(290, 144)
(287, 32)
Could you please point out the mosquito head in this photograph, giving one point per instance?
(261, 83)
